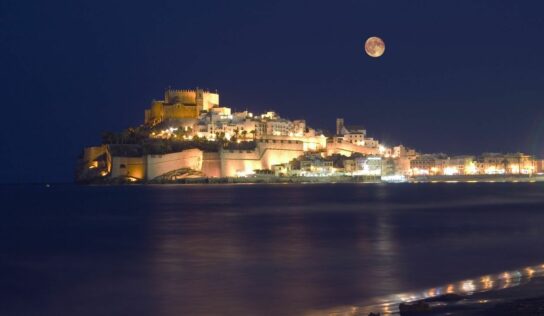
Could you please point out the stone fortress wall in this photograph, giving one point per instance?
(211, 165)
(149, 167)
(158, 165)
(347, 149)
(128, 167)
(226, 163)
(264, 156)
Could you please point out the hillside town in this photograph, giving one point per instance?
(189, 135)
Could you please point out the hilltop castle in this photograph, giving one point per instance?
(181, 104)
(189, 115)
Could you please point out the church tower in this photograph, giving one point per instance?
(339, 126)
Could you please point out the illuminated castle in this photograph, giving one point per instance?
(271, 144)
(181, 104)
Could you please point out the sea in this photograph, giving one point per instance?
(252, 249)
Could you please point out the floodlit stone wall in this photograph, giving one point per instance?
(91, 153)
(226, 163)
(132, 167)
(347, 149)
(211, 165)
(268, 153)
(158, 165)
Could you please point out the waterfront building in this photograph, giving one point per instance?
(316, 167)
(428, 164)
(460, 165)
(358, 165)
(512, 163)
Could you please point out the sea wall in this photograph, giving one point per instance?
(131, 167)
(211, 165)
(279, 152)
(158, 165)
(237, 162)
(225, 163)
(91, 153)
(151, 166)
(264, 156)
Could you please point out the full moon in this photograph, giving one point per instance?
(374, 46)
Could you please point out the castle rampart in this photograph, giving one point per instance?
(264, 156)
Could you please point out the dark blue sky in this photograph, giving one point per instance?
(457, 76)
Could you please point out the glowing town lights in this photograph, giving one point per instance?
(450, 171)
(165, 133)
(487, 282)
(244, 173)
(507, 278)
(468, 286)
(494, 170)
(419, 172)
(471, 168)
(402, 298)
(396, 178)
(482, 284)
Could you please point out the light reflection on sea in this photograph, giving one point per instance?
(389, 305)
(254, 249)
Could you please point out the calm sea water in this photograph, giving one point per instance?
(253, 249)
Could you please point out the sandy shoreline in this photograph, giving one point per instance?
(515, 292)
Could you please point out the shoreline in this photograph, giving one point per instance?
(513, 292)
(327, 180)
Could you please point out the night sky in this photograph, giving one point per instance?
(456, 76)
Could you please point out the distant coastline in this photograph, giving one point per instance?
(329, 179)
(188, 137)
